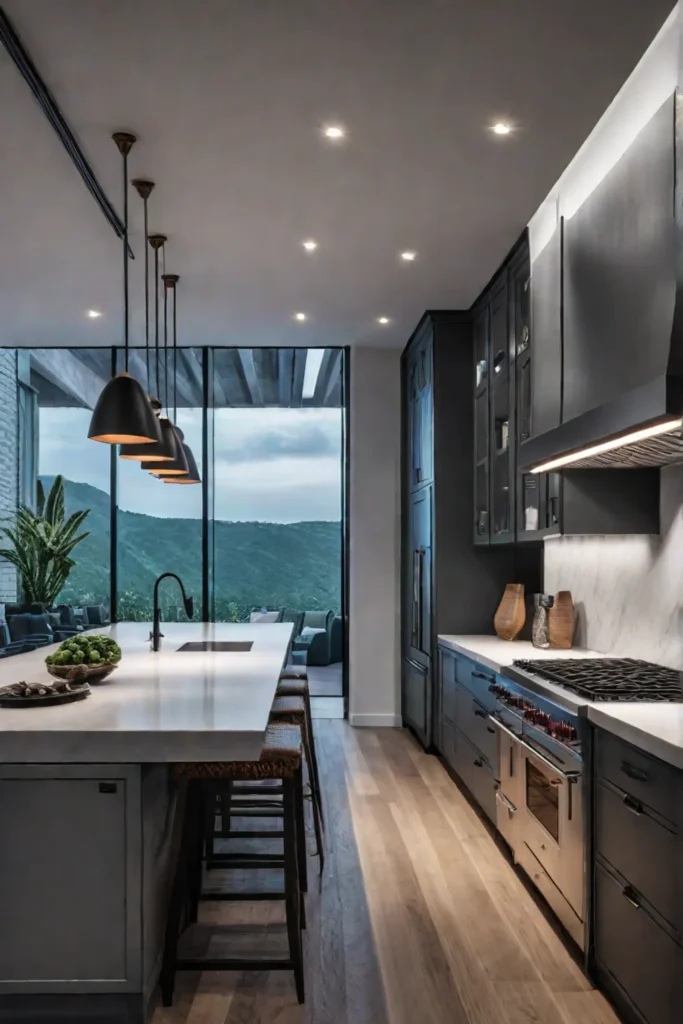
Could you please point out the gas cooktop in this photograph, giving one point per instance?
(624, 679)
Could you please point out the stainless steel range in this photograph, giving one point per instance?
(541, 794)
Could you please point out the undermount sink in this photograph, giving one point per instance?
(219, 646)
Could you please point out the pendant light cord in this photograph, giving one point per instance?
(156, 318)
(149, 387)
(125, 259)
(175, 354)
(166, 344)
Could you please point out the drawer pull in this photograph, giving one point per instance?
(480, 675)
(489, 729)
(634, 773)
(633, 805)
(481, 714)
(628, 893)
(478, 763)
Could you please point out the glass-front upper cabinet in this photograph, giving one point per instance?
(502, 420)
(481, 427)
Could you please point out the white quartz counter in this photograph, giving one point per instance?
(156, 707)
(496, 653)
(655, 728)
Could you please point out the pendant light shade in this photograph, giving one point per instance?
(122, 413)
(177, 466)
(153, 452)
(192, 476)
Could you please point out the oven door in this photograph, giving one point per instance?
(552, 823)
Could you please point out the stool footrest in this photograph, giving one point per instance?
(241, 834)
(237, 897)
(197, 964)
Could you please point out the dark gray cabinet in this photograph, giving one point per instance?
(468, 740)
(636, 949)
(447, 585)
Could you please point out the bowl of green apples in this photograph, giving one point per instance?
(84, 657)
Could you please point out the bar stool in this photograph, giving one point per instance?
(292, 710)
(294, 683)
(281, 761)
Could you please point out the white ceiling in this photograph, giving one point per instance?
(228, 97)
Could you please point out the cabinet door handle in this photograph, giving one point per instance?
(634, 773)
(480, 675)
(629, 893)
(478, 763)
(633, 805)
(481, 714)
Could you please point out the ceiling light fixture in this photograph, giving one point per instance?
(178, 465)
(122, 413)
(501, 128)
(668, 427)
(408, 255)
(300, 317)
(314, 360)
(160, 450)
(384, 320)
(165, 470)
(334, 132)
(93, 314)
(310, 245)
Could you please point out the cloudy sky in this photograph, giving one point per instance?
(274, 465)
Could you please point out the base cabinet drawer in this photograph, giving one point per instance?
(472, 719)
(477, 774)
(651, 781)
(632, 948)
(642, 849)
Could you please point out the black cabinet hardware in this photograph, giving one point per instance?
(633, 805)
(629, 893)
(633, 772)
(480, 675)
(478, 763)
(108, 787)
(480, 713)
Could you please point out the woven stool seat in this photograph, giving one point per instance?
(280, 759)
(294, 672)
(292, 688)
(290, 705)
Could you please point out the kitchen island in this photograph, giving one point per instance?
(87, 807)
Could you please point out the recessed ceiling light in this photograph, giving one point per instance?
(408, 255)
(93, 314)
(383, 320)
(501, 128)
(334, 132)
(300, 317)
(310, 245)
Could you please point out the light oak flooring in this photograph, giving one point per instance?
(420, 919)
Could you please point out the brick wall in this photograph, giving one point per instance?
(9, 459)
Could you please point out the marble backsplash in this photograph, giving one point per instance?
(628, 590)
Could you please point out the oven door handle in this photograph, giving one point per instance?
(571, 776)
(504, 802)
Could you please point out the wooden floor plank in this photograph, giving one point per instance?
(420, 916)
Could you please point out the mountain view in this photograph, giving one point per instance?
(256, 564)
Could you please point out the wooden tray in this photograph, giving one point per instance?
(7, 701)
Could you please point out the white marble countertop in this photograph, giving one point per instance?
(496, 653)
(655, 728)
(156, 707)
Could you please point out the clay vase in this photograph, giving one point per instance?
(511, 614)
(561, 621)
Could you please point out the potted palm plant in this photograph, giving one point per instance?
(42, 543)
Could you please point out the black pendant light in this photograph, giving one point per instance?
(192, 475)
(178, 466)
(153, 452)
(122, 413)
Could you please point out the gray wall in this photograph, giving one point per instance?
(9, 468)
(628, 590)
(374, 542)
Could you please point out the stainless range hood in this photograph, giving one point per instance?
(615, 377)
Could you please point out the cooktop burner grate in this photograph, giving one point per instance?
(623, 679)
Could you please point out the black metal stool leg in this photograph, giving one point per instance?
(300, 830)
(293, 894)
(313, 760)
(317, 820)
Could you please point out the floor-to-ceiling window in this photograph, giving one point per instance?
(159, 525)
(57, 389)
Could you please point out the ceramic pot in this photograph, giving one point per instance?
(561, 621)
(511, 614)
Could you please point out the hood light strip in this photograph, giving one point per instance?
(668, 427)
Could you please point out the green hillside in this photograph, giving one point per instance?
(292, 564)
